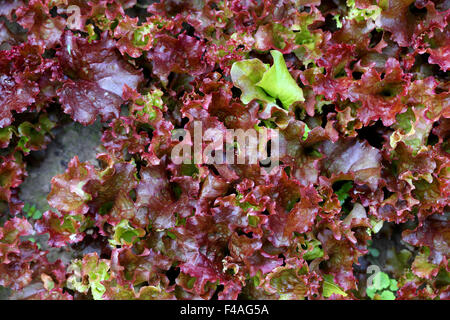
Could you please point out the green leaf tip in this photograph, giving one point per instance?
(257, 81)
(278, 82)
(125, 234)
(329, 287)
(245, 75)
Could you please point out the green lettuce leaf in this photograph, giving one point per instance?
(257, 81)
(124, 234)
(89, 273)
(329, 287)
(278, 82)
(245, 75)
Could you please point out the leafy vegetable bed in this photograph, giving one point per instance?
(355, 94)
